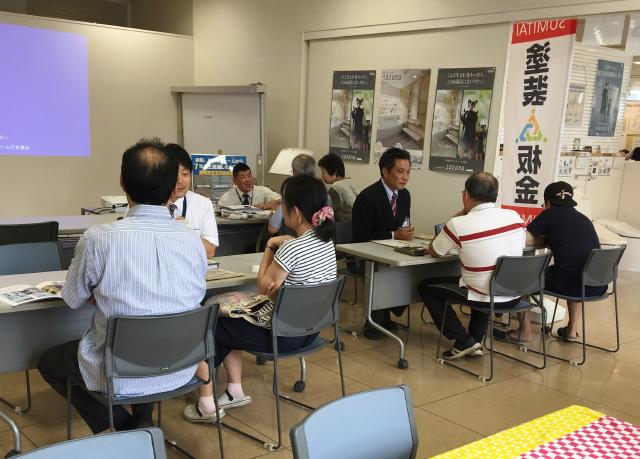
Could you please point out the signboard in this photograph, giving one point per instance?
(538, 80)
(215, 164)
(606, 98)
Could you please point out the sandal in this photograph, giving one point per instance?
(509, 336)
(562, 333)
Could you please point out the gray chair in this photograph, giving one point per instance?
(344, 236)
(17, 444)
(516, 277)
(29, 232)
(139, 444)
(354, 428)
(171, 343)
(600, 269)
(23, 258)
(301, 310)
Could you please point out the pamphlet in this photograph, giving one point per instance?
(16, 295)
(219, 274)
(395, 243)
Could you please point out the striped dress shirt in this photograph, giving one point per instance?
(144, 264)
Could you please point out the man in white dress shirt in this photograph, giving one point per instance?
(196, 210)
(245, 193)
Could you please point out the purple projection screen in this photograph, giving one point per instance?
(44, 92)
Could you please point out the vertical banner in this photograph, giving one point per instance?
(461, 119)
(402, 112)
(352, 114)
(606, 98)
(537, 85)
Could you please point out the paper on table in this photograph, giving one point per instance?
(397, 243)
(219, 274)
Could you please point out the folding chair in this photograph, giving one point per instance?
(600, 269)
(146, 346)
(352, 427)
(514, 277)
(23, 258)
(301, 310)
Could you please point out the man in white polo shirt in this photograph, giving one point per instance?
(195, 210)
(481, 233)
(246, 193)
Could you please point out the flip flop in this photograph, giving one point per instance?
(509, 336)
(562, 333)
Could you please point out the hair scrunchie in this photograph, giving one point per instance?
(320, 216)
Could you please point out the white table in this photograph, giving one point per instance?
(29, 330)
(391, 279)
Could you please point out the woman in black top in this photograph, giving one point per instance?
(571, 236)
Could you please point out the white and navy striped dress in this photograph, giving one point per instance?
(307, 259)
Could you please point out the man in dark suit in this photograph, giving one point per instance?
(383, 211)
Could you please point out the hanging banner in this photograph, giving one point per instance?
(461, 119)
(402, 112)
(352, 114)
(606, 98)
(536, 98)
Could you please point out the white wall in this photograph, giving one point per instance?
(130, 73)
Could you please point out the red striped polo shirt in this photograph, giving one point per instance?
(482, 236)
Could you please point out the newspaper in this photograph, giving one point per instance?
(16, 295)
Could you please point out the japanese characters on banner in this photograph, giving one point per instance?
(461, 119)
(352, 114)
(538, 73)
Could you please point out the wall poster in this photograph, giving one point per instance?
(538, 78)
(352, 114)
(575, 106)
(402, 112)
(461, 119)
(606, 98)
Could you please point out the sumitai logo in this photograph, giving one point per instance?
(541, 27)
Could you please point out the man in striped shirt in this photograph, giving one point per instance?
(481, 233)
(145, 264)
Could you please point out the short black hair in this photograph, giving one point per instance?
(482, 187)
(309, 195)
(149, 174)
(240, 167)
(389, 157)
(175, 150)
(635, 154)
(333, 164)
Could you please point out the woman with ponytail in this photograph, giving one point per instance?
(307, 259)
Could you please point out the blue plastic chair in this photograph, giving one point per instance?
(376, 424)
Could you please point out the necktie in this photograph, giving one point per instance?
(394, 209)
(172, 209)
(245, 200)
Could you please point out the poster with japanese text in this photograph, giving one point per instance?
(606, 98)
(535, 103)
(461, 119)
(352, 114)
(402, 112)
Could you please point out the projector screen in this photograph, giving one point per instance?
(44, 92)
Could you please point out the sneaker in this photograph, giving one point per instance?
(455, 353)
(192, 413)
(477, 353)
(227, 401)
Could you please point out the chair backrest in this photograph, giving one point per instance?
(376, 424)
(302, 310)
(601, 268)
(141, 444)
(142, 346)
(438, 228)
(519, 276)
(31, 257)
(343, 233)
(29, 232)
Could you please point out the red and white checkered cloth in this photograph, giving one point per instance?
(606, 438)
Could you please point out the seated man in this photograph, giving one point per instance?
(195, 210)
(481, 232)
(245, 193)
(571, 237)
(341, 189)
(144, 264)
(383, 211)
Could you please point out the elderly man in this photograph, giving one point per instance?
(245, 193)
(481, 232)
(165, 274)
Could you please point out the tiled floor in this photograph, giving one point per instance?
(451, 408)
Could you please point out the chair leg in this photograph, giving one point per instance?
(340, 359)
(111, 426)
(276, 390)
(68, 409)
(218, 420)
(299, 385)
(444, 318)
(15, 407)
(159, 414)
